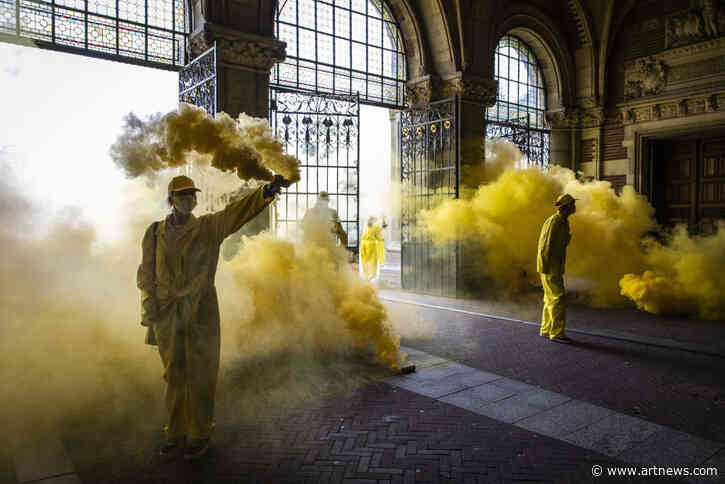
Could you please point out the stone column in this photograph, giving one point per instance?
(564, 137)
(394, 222)
(475, 94)
(243, 66)
(592, 120)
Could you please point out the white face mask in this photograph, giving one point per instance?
(184, 205)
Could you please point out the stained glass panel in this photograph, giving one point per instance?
(112, 28)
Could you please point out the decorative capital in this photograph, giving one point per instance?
(420, 91)
(473, 89)
(563, 119)
(593, 117)
(238, 48)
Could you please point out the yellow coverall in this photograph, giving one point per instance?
(372, 250)
(322, 214)
(550, 262)
(187, 326)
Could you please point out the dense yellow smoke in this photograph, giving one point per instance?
(71, 346)
(245, 147)
(308, 292)
(499, 223)
(684, 276)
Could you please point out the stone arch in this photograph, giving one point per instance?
(550, 48)
(613, 21)
(412, 30)
(588, 41)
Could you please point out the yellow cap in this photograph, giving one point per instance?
(565, 199)
(179, 183)
(323, 195)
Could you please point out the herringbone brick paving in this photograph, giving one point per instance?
(668, 387)
(376, 434)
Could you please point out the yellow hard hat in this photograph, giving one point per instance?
(323, 195)
(565, 199)
(179, 183)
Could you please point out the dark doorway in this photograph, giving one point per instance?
(686, 182)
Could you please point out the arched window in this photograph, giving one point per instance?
(342, 47)
(139, 31)
(518, 114)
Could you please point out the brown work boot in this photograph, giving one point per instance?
(172, 448)
(196, 448)
(562, 339)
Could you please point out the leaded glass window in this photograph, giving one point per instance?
(141, 31)
(342, 47)
(518, 114)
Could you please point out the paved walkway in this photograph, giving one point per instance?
(490, 402)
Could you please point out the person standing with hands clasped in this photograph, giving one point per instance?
(550, 262)
(180, 306)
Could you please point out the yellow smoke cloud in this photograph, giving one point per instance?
(71, 346)
(245, 147)
(499, 221)
(684, 276)
(307, 291)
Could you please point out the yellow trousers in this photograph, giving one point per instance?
(553, 316)
(190, 353)
(370, 269)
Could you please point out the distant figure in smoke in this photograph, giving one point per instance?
(180, 306)
(550, 263)
(321, 213)
(372, 249)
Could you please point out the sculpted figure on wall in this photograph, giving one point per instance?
(645, 77)
(710, 15)
(706, 21)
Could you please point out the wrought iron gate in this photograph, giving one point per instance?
(533, 143)
(322, 130)
(429, 174)
(197, 82)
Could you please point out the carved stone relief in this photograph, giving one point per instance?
(563, 119)
(238, 48)
(473, 89)
(576, 118)
(644, 77)
(705, 21)
(419, 93)
(678, 108)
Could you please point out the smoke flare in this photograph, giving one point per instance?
(245, 147)
(500, 219)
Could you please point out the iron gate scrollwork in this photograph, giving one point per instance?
(197, 82)
(533, 143)
(429, 175)
(322, 131)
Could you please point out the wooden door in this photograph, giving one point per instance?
(711, 189)
(680, 183)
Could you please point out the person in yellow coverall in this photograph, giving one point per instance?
(550, 263)
(372, 249)
(180, 306)
(322, 213)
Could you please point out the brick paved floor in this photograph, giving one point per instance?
(376, 434)
(669, 387)
(627, 320)
(381, 434)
